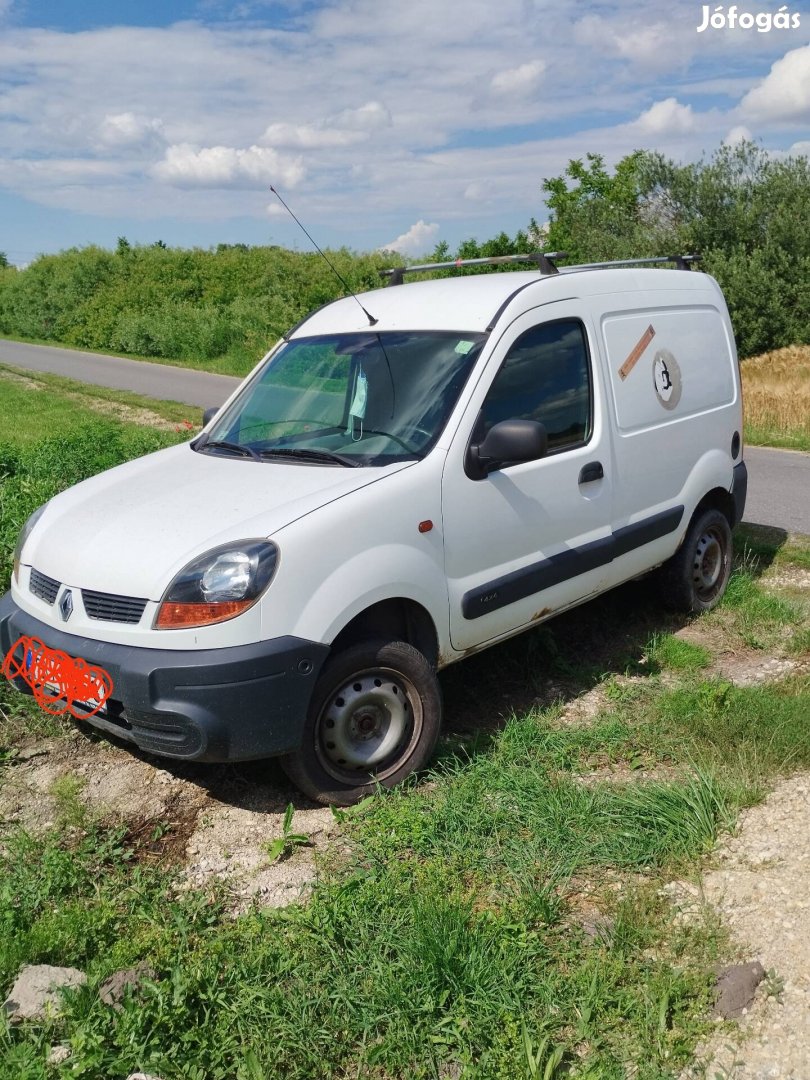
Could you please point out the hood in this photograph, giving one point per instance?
(131, 529)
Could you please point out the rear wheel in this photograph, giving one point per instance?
(696, 576)
(374, 718)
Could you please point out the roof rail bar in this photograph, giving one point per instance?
(682, 262)
(542, 259)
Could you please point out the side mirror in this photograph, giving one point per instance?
(509, 441)
(210, 413)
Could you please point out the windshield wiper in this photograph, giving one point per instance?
(229, 447)
(327, 457)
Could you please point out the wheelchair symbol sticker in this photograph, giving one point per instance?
(667, 378)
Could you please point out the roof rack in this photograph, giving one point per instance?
(544, 260)
(682, 262)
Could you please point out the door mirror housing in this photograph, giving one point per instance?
(210, 413)
(507, 442)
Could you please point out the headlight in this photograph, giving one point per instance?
(25, 532)
(218, 585)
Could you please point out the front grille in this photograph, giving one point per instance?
(43, 586)
(109, 608)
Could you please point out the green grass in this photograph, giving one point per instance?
(763, 545)
(451, 938)
(675, 654)
(790, 439)
(44, 405)
(499, 918)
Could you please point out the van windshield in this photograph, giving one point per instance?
(356, 399)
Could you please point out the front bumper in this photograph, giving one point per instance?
(233, 704)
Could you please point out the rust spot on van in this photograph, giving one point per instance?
(541, 614)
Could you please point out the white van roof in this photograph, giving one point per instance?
(474, 302)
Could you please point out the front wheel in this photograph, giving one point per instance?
(374, 718)
(696, 576)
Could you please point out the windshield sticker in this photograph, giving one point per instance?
(637, 352)
(60, 684)
(667, 378)
(464, 347)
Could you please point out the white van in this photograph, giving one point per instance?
(400, 483)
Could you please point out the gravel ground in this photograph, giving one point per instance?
(759, 884)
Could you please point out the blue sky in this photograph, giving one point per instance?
(384, 123)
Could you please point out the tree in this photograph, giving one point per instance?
(742, 210)
(596, 216)
(746, 213)
(3, 260)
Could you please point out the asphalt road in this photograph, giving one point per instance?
(154, 380)
(778, 480)
(778, 489)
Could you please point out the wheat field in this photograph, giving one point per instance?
(776, 398)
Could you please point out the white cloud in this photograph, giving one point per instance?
(738, 134)
(346, 128)
(224, 167)
(662, 45)
(129, 129)
(667, 117)
(783, 96)
(369, 117)
(309, 137)
(55, 173)
(415, 241)
(519, 80)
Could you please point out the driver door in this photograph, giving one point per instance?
(534, 537)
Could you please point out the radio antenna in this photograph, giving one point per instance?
(371, 320)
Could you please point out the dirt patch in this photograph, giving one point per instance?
(130, 413)
(585, 708)
(20, 380)
(163, 841)
(215, 823)
(230, 843)
(787, 577)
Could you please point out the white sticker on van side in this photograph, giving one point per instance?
(666, 373)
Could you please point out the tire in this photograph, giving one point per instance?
(696, 576)
(373, 719)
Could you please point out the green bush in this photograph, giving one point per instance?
(187, 305)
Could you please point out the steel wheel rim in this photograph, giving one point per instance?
(708, 566)
(369, 725)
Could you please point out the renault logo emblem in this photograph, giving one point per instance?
(66, 605)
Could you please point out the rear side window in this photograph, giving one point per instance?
(546, 377)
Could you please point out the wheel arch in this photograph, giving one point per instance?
(396, 619)
(717, 499)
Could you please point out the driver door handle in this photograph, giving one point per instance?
(590, 472)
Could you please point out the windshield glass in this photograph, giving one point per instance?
(370, 398)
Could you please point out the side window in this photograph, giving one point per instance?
(546, 377)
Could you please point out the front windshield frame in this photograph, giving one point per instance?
(360, 398)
